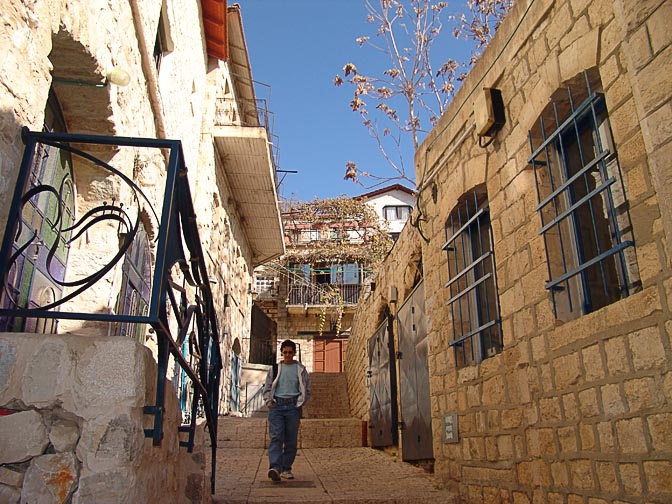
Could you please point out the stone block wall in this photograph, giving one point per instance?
(176, 99)
(401, 271)
(72, 425)
(568, 412)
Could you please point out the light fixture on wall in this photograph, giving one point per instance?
(117, 76)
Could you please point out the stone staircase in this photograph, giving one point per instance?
(333, 465)
(326, 421)
(329, 396)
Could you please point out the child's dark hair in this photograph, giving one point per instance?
(288, 343)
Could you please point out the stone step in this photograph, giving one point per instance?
(235, 432)
(329, 396)
(331, 433)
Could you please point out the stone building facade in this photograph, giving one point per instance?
(310, 294)
(545, 266)
(155, 69)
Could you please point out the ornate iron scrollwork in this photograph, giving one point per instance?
(193, 315)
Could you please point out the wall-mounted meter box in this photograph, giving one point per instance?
(489, 112)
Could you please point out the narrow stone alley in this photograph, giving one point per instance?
(323, 474)
(333, 464)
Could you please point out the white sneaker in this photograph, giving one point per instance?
(287, 475)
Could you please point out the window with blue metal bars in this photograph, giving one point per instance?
(582, 203)
(472, 284)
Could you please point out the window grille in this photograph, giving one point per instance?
(582, 205)
(263, 284)
(472, 282)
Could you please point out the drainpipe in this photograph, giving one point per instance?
(149, 72)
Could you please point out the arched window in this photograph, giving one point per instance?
(31, 283)
(472, 283)
(136, 285)
(582, 204)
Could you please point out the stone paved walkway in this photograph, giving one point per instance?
(324, 475)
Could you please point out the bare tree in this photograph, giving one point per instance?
(401, 104)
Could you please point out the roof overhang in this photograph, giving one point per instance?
(247, 165)
(239, 60)
(215, 27)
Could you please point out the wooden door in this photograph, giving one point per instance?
(329, 355)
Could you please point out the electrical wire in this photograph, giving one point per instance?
(422, 183)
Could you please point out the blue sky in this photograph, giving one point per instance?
(297, 47)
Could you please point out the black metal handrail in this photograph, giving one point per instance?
(176, 220)
(253, 402)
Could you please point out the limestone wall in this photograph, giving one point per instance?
(401, 271)
(72, 425)
(568, 412)
(44, 40)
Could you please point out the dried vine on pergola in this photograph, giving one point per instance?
(344, 214)
(341, 213)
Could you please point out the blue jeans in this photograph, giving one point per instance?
(283, 428)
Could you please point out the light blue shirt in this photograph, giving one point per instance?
(288, 382)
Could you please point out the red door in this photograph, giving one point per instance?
(329, 355)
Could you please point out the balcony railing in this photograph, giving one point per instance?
(43, 226)
(250, 113)
(320, 294)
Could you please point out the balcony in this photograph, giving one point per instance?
(249, 168)
(320, 294)
(247, 151)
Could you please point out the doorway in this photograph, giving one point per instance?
(415, 406)
(383, 423)
(329, 354)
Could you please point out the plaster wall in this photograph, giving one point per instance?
(392, 198)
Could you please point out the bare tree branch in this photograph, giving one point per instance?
(409, 97)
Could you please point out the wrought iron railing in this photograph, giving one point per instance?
(320, 294)
(176, 312)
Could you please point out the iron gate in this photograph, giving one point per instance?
(382, 388)
(416, 418)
